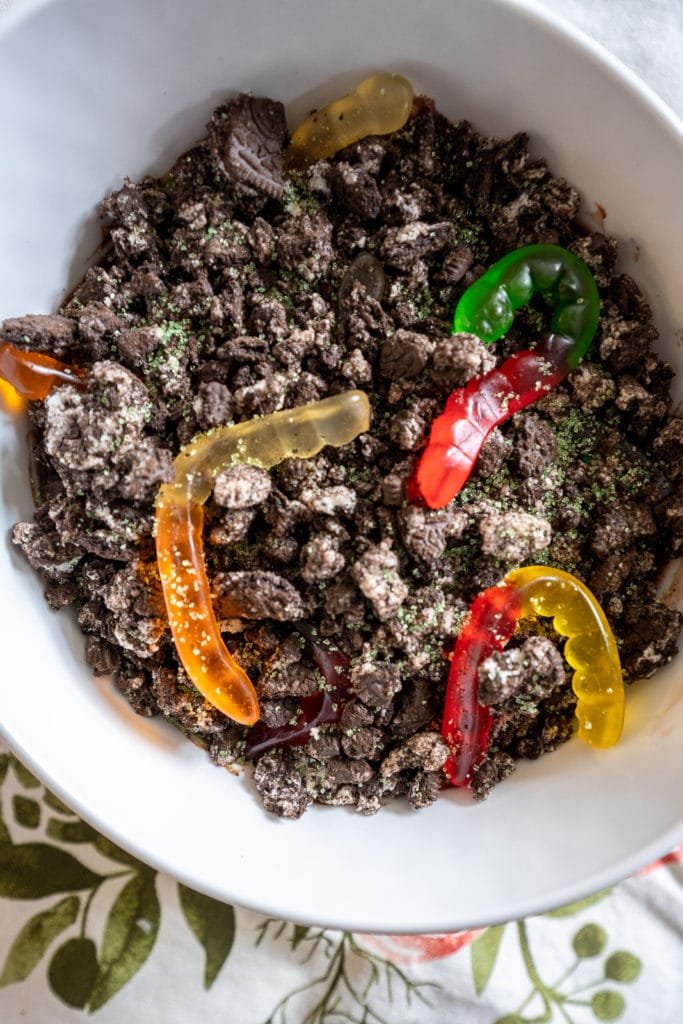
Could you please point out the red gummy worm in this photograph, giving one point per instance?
(466, 724)
(471, 413)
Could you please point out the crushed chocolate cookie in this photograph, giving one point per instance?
(425, 532)
(300, 680)
(514, 536)
(408, 430)
(53, 334)
(535, 445)
(490, 772)
(621, 526)
(460, 357)
(535, 669)
(403, 246)
(321, 559)
(404, 354)
(375, 682)
(425, 750)
(304, 245)
(281, 785)
(258, 594)
(241, 487)
(592, 387)
(248, 136)
(376, 573)
(232, 290)
(424, 789)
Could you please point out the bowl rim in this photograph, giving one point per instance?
(534, 11)
(516, 910)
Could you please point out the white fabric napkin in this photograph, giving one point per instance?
(647, 35)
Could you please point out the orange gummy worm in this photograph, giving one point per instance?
(34, 374)
(295, 433)
(10, 399)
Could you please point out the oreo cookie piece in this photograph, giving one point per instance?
(247, 136)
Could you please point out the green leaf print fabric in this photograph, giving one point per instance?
(90, 931)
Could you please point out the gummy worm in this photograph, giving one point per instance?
(320, 708)
(293, 433)
(379, 105)
(591, 651)
(33, 374)
(487, 309)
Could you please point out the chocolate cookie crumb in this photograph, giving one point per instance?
(241, 487)
(248, 136)
(514, 536)
(377, 576)
(281, 785)
(259, 594)
(535, 669)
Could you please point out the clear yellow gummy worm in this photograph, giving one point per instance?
(379, 105)
(294, 433)
(590, 649)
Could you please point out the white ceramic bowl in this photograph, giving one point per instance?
(91, 90)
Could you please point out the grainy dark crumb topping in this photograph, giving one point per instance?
(221, 298)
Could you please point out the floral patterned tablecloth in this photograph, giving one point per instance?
(87, 929)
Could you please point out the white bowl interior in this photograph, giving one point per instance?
(90, 92)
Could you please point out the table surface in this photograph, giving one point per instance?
(85, 927)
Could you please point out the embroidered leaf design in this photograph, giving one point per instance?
(114, 852)
(31, 870)
(575, 908)
(483, 954)
(213, 924)
(25, 777)
(5, 837)
(73, 971)
(56, 804)
(299, 934)
(38, 933)
(26, 811)
(129, 936)
(70, 831)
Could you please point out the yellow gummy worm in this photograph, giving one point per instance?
(295, 433)
(590, 650)
(379, 105)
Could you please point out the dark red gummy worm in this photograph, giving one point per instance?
(466, 724)
(320, 708)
